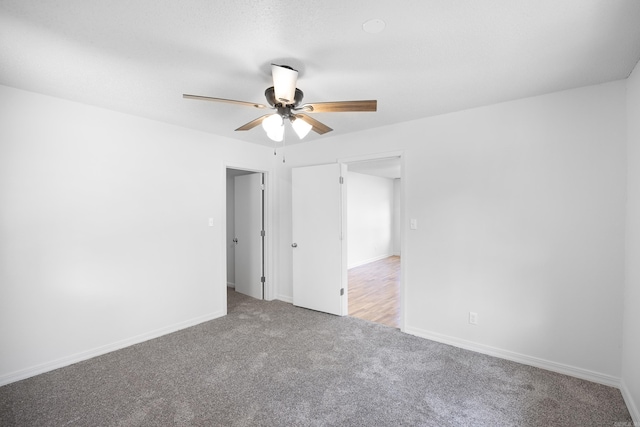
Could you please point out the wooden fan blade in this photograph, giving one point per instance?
(340, 106)
(253, 123)
(228, 101)
(317, 126)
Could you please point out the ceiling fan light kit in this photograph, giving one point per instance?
(301, 127)
(274, 126)
(284, 83)
(286, 99)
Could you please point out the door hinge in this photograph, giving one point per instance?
(262, 187)
(262, 279)
(341, 291)
(341, 180)
(262, 233)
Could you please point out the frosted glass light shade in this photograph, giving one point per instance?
(301, 127)
(274, 126)
(284, 83)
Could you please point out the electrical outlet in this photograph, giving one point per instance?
(473, 318)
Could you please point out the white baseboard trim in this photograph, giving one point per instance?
(560, 368)
(628, 400)
(231, 285)
(98, 351)
(285, 298)
(367, 261)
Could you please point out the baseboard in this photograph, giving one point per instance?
(231, 285)
(98, 351)
(560, 368)
(628, 400)
(374, 259)
(285, 298)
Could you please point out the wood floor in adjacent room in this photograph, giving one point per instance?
(374, 291)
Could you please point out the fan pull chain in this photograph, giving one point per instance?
(284, 139)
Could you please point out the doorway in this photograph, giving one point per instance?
(374, 235)
(374, 291)
(245, 233)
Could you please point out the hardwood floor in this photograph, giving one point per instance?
(374, 291)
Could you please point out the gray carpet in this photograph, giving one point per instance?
(272, 364)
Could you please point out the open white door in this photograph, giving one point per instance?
(319, 238)
(248, 234)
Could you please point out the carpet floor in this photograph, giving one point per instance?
(273, 364)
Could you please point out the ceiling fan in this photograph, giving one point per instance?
(286, 99)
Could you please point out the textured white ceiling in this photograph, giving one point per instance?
(434, 57)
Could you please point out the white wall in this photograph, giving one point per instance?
(369, 218)
(521, 211)
(631, 343)
(104, 236)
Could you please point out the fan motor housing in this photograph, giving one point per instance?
(270, 94)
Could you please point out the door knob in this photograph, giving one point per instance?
(294, 245)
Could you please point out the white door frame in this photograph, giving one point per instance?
(269, 290)
(403, 210)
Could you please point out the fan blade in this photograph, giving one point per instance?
(229, 101)
(340, 106)
(253, 123)
(317, 126)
